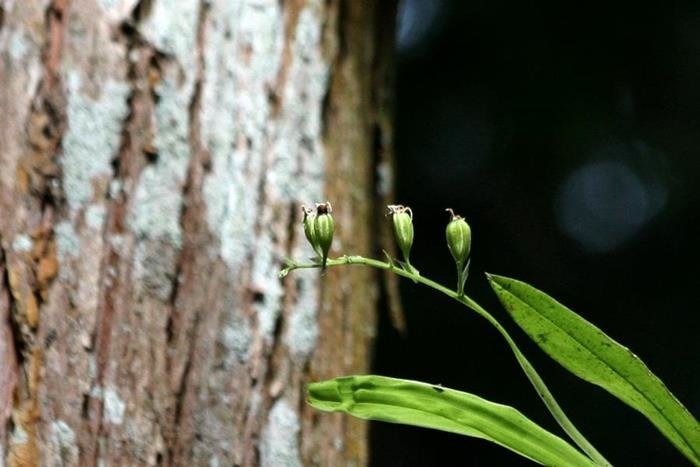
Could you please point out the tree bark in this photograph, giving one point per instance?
(153, 158)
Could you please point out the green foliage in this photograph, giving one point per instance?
(575, 343)
(419, 404)
(590, 354)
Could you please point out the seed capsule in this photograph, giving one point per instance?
(323, 229)
(402, 218)
(310, 228)
(459, 238)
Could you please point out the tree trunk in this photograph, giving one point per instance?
(154, 155)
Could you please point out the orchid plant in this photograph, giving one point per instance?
(578, 345)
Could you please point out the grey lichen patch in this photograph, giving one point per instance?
(265, 281)
(95, 216)
(155, 264)
(118, 243)
(67, 243)
(19, 436)
(96, 391)
(242, 63)
(19, 45)
(22, 243)
(225, 187)
(116, 186)
(108, 4)
(92, 138)
(114, 407)
(246, 44)
(249, 147)
(236, 338)
(157, 205)
(295, 162)
(280, 440)
(172, 28)
(158, 197)
(229, 208)
(158, 201)
(299, 161)
(302, 333)
(63, 448)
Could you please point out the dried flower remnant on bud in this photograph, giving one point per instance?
(324, 227)
(402, 220)
(310, 229)
(459, 238)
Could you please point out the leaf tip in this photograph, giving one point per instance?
(496, 280)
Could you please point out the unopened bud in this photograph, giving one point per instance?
(402, 218)
(323, 229)
(310, 228)
(459, 238)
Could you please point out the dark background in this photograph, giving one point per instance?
(567, 134)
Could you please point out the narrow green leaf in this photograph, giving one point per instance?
(419, 404)
(590, 354)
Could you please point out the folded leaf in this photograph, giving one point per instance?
(419, 404)
(590, 354)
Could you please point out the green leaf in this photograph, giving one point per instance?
(590, 354)
(413, 403)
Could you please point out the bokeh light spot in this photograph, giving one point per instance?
(415, 18)
(605, 203)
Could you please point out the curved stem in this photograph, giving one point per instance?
(532, 375)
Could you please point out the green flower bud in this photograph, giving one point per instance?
(402, 218)
(459, 238)
(323, 228)
(310, 228)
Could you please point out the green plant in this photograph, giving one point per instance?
(576, 344)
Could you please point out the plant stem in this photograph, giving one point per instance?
(460, 280)
(534, 377)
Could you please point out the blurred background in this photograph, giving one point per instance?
(567, 135)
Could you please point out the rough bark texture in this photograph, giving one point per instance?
(153, 157)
